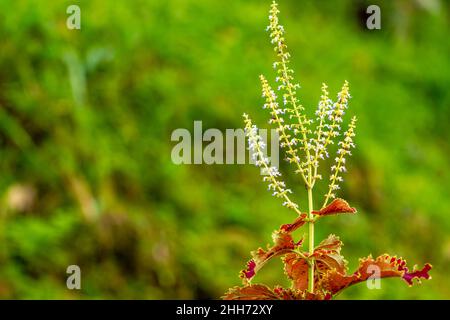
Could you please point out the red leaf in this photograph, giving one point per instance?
(296, 268)
(335, 207)
(262, 292)
(315, 296)
(250, 271)
(326, 260)
(283, 243)
(331, 243)
(291, 227)
(250, 292)
(417, 274)
(286, 294)
(335, 281)
(328, 256)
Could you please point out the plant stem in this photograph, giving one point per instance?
(310, 241)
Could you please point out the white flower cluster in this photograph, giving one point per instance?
(319, 143)
(324, 109)
(290, 100)
(329, 117)
(272, 174)
(304, 148)
(336, 170)
(285, 74)
(336, 113)
(286, 140)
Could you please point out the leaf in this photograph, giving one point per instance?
(335, 281)
(326, 260)
(315, 296)
(250, 271)
(250, 292)
(293, 294)
(283, 243)
(286, 294)
(291, 227)
(417, 274)
(296, 268)
(262, 292)
(328, 256)
(331, 243)
(335, 207)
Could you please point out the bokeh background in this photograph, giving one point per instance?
(86, 117)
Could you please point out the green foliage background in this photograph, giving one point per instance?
(85, 124)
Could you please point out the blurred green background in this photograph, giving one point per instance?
(86, 117)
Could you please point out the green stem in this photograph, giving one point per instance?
(311, 241)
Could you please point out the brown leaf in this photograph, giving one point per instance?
(286, 294)
(315, 296)
(293, 294)
(296, 268)
(331, 243)
(327, 260)
(335, 281)
(291, 227)
(335, 207)
(250, 292)
(283, 243)
(262, 292)
(328, 256)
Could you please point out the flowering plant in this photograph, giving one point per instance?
(320, 272)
